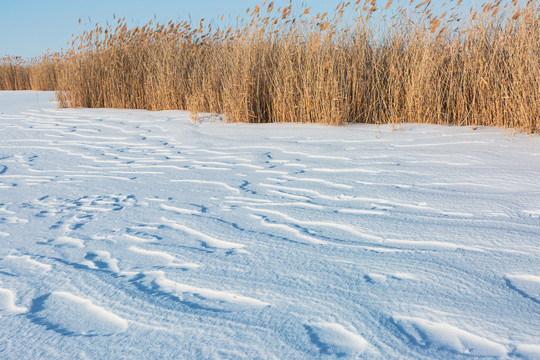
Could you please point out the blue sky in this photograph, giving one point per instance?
(29, 27)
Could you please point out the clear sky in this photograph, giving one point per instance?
(29, 27)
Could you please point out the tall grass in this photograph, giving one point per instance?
(36, 74)
(361, 63)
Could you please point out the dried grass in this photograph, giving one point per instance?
(36, 74)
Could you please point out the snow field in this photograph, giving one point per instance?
(135, 234)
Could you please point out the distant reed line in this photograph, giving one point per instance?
(36, 74)
(288, 65)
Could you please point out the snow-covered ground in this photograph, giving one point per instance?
(136, 234)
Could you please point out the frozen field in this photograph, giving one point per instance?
(136, 234)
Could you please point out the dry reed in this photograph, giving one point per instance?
(281, 65)
(36, 74)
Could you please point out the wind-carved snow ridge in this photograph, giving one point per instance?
(178, 210)
(444, 336)
(526, 284)
(102, 260)
(202, 298)
(528, 351)
(161, 257)
(131, 233)
(68, 314)
(207, 240)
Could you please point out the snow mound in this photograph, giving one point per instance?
(25, 265)
(528, 351)
(527, 285)
(334, 338)
(7, 302)
(101, 260)
(375, 278)
(445, 336)
(69, 314)
(68, 241)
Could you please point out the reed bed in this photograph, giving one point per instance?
(36, 74)
(366, 62)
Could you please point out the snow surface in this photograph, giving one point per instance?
(136, 234)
